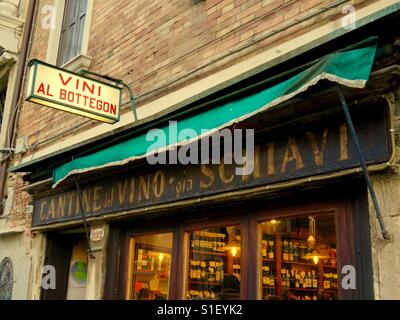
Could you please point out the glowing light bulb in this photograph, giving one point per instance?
(273, 221)
(315, 258)
(234, 251)
(161, 257)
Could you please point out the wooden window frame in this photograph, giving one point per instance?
(74, 48)
(352, 239)
(125, 269)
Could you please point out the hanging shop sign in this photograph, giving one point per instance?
(317, 149)
(64, 90)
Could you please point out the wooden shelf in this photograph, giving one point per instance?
(145, 272)
(331, 290)
(329, 267)
(211, 283)
(211, 253)
(300, 289)
(301, 263)
(268, 260)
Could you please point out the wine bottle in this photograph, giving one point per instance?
(285, 251)
(144, 262)
(290, 251)
(264, 248)
(314, 279)
(271, 250)
(139, 259)
(297, 280)
(203, 267)
(296, 252)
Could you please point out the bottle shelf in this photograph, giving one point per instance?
(300, 289)
(210, 283)
(329, 267)
(300, 263)
(148, 272)
(268, 260)
(211, 253)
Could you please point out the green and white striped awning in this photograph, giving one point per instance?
(350, 67)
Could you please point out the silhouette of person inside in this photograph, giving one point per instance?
(231, 289)
(145, 294)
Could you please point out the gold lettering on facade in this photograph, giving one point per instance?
(209, 174)
(42, 213)
(344, 142)
(318, 150)
(159, 184)
(253, 163)
(86, 200)
(222, 174)
(122, 190)
(144, 187)
(292, 153)
(189, 185)
(51, 211)
(61, 207)
(96, 198)
(132, 192)
(70, 197)
(109, 198)
(271, 159)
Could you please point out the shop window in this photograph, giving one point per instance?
(214, 268)
(72, 30)
(299, 258)
(77, 279)
(150, 260)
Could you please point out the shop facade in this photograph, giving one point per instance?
(203, 232)
(300, 225)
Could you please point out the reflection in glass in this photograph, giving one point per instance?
(214, 268)
(299, 258)
(151, 266)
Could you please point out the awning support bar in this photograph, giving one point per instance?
(78, 189)
(353, 133)
(117, 81)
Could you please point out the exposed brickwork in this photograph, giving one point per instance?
(148, 44)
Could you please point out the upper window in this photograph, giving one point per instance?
(71, 36)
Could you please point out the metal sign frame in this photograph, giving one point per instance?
(32, 97)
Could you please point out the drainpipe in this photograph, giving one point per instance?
(26, 38)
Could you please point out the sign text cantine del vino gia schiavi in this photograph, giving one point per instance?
(64, 90)
(319, 148)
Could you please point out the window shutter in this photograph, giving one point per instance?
(72, 30)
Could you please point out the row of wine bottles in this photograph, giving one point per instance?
(208, 241)
(206, 270)
(151, 262)
(203, 294)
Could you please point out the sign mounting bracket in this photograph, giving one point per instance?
(117, 81)
(385, 234)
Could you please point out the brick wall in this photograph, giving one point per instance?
(151, 43)
(148, 44)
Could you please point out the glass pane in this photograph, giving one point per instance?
(214, 265)
(299, 258)
(152, 266)
(77, 279)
